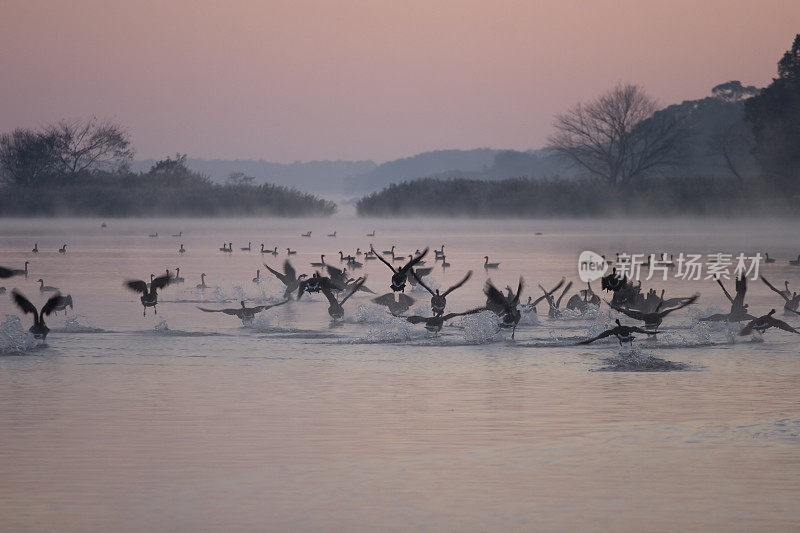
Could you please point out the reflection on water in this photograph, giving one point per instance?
(190, 421)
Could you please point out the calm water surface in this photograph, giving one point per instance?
(188, 421)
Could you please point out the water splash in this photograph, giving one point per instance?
(480, 328)
(633, 359)
(14, 338)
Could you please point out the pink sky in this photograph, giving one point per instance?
(299, 80)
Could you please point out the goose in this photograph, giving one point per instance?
(622, 333)
(153, 235)
(343, 258)
(178, 278)
(397, 306)
(263, 251)
(439, 300)
(245, 314)
(336, 309)
(306, 234)
(23, 271)
(181, 250)
(792, 300)
(654, 319)
(354, 265)
(352, 283)
(179, 234)
(321, 263)
(795, 262)
(580, 302)
(274, 252)
(45, 288)
(445, 264)
(370, 257)
(229, 249)
(257, 279)
(388, 252)
(62, 303)
(768, 259)
(487, 265)
(400, 275)
(39, 328)
(149, 295)
(7, 272)
(289, 278)
(371, 234)
(764, 322)
(400, 258)
(103, 225)
(555, 305)
(246, 249)
(63, 249)
(35, 248)
(315, 284)
(421, 263)
(438, 254)
(333, 235)
(224, 247)
(505, 308)
(289, 251)
(338, 277)
(738, 312)
(435, 323)
(358, 251)
(202, 285)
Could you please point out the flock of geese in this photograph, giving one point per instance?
(336, 283)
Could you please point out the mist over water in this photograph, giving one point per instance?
(187, 420)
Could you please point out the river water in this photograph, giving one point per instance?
(191, 421)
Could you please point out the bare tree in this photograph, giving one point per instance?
(26, 156)
(618, 137)
(86, 145)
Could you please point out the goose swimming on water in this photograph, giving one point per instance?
(332, 234)
(149, 295)
(249, 244)
(178, 278)
(153, 235)
(306, 234)
(63, 249)
(202, 285)
(39, 328)
(768, 259)
(45, 288)
(795, 262)
(321, 263)
(23, 271)
(181, 250)
(35, 248)
(179, 234)
(371, 234)
(289, 251)
(487, 265)
(257, 279)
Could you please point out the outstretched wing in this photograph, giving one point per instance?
(160, 282)
(748, 328)
(741, 290)
(384, 261)
(329, 295)
(406, 300)
(419, 280)
(386, 299)
(515, 301)
(496, 301)
(459, 284)
(633, 313)
(448, 316)
(422, 272)
(265, 307)
(334, 272)
(51, 304)
(277, 274)
(414, 261)
(606, 333)
(23, 303)
(212, 310)
(780, 324)
(416, 319)
(354, 288)
(137, 285)
(686, 303)
(768, 284)
(727, 294)
(566, 290)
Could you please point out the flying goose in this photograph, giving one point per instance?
(45, 288)
(289, 278)
(149, 296)
(245, 314)
(400, 275)
(435, 323)
(439, 300)
(505, 308)
(39, 328)
(654, 319)
(336, 309)
(396, 306)
(487, 265)
(622, 333)
(738, 312)
(792, 300)
(764, 322)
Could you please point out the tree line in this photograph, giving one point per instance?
(81, 167)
